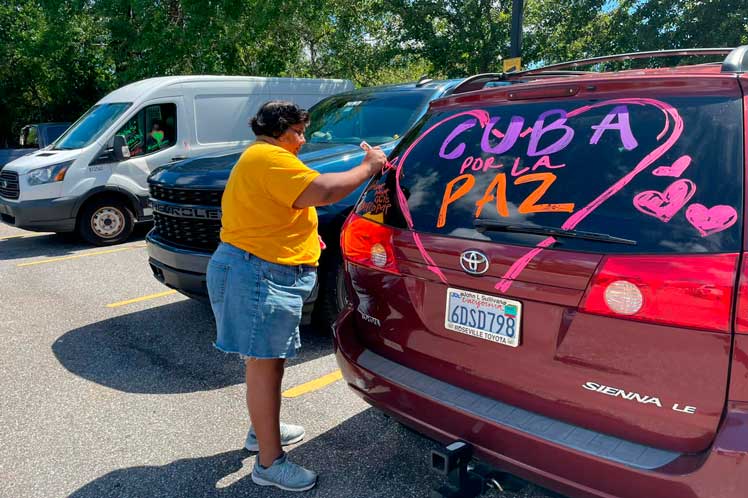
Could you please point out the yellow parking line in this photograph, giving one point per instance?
(84, 255)
(144, 298)
(26, 236)
(313, 385)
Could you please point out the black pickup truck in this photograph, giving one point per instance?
(186, 196)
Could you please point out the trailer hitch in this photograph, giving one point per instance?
(464, 480)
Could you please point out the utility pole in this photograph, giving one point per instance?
(514, 63)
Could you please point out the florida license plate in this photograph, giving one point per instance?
(488, 317)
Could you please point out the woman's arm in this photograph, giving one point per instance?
(329, 188)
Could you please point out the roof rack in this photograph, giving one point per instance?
(630, 56)
(736, 61)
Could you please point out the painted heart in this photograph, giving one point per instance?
(664, 205)
(711, 220)
(677, 168)
(673, 124)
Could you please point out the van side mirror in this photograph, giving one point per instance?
(29, 138)
(120, 150)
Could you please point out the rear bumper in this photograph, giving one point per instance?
(46, 215)
(721, 471)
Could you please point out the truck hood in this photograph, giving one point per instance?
(212, 172)
(40, 159)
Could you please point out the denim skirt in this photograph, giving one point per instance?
(257, 304)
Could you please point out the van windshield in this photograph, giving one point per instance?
(96, 120)
(375, 117)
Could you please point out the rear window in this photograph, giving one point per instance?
(374, 117)
(625, 176)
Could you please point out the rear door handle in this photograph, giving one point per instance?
(178, 158)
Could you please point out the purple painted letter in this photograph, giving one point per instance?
(539, 129)
(623, 127)
(509, 138)
(457, 152)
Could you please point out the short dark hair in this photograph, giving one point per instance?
(276, 116)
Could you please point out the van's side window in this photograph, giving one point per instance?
(152, 129)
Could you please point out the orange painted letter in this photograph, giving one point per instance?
(498, 183)
(529, 204)
(450, 197)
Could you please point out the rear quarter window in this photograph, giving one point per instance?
(665, 173)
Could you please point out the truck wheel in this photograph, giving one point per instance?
(106, 222)
(333, 295)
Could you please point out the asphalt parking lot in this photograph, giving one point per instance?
(111, 388)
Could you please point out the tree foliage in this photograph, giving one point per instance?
(60, 56)
(55, 62)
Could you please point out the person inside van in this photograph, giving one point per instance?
(156, 138)
(264, 269)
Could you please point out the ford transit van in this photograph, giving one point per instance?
(93, 178)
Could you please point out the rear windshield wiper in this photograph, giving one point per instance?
(483, 225)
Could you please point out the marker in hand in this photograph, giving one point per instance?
(366, 147)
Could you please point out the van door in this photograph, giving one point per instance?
(155, 135)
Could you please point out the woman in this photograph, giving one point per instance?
(264, 269)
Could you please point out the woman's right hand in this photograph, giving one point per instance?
(329, 188)
(374, 160)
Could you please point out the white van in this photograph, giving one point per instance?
(93, 178)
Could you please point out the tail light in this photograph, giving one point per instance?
(369, 244)
(685, 291)
(741, 312)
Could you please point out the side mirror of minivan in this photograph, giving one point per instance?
(120, 150)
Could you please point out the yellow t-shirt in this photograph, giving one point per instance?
(258, 213)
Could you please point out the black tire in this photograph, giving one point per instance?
(105, 222)
(333, 295)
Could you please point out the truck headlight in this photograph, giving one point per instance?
(49, 174)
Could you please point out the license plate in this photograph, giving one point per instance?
(481, 315)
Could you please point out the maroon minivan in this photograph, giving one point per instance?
(554, 272)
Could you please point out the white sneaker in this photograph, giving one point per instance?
(290, 434)
(284, 475)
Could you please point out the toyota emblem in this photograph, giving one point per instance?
(474, 262)
(3, 184)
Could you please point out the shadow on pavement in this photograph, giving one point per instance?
(367, 456)
(55, 245)
(163, 350)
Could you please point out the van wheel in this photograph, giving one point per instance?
(106, 222)
(333, 295)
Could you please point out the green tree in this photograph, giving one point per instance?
(562, 30)
(60, 56)
(559, 30)
(457, 37)
(55, 62)
(659, 24)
